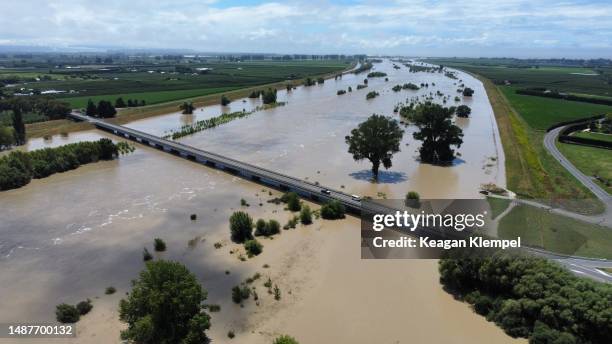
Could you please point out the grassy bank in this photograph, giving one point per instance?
(556, 233)
(590, 160)
(531, 171)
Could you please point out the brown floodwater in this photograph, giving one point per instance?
(67, 237)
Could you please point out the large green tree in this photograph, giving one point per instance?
(376, 139)
(437, 132)
(165, 306)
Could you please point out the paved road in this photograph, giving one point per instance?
(549, 143)
(316, 192)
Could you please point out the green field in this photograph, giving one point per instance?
(590, 160)
(556, 233)
(156, 83)
(498, 205)
(149, 97)
(594, 136)
(523, 74)
(540, 112)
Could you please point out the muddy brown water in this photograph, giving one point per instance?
(67, 237)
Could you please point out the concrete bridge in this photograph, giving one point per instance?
(280, 181)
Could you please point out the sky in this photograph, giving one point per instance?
(473, 28)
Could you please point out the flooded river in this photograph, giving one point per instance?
(68, 237)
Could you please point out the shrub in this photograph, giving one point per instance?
(372, 95)
(253, 247)
(468, 92)
(159, 245)
(333, 210)
(306, 215)
(260, 227)
(225, 100)
(230, 334)
(66, 313)
(273, 227)
(244, 203)
(241, 226)
(269, 96)
(193, 217)
(146, 255)
(412, 199)
(84, 307)
(293, 201)
(285, 340)
(110, 290)
(341, 92)
(277, 293)
(213, 308)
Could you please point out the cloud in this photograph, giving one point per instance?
(511, 27)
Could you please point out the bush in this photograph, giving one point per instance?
(293, 201)
(159, 245)
(468, 92)
(146, 255)
(272, 227)
(333, 210)
(240, 293)
(306, 215)
(253, 247)
(463, 111)
(260, 227)
(412, 199)
(84, 307)
(269, 96)
(225, 100)
(341, 92)
(231, 334)
(110, 290)
(66, 313)
(285, 340)
(241, 226)
(193, 217)
(372, 95)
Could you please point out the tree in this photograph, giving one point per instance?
(187, 108)
(241, 226)
(463, 111)
(66, 313)
(225, 100)
(7, 137)
(159, 245)
(106, 109)
(376, 139)
(18, 105)
(91, 109)
(285, 340)
(269, 96)
(437, 132)
(306, 215)
(165, 306)
(119, 103)
(468, 92)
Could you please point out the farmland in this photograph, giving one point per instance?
(540, 113)
(157, 83)
(522, 120)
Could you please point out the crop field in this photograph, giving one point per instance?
(165, 82)
(560, 78)
(594, 136)
(540, 113)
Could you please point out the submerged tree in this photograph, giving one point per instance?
(437, 132)
(165, 306)
(463, 111)
(225, 100)
(376, 139)
(187, 108)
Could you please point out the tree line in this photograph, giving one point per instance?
(531, 297)
(18, 168)
(104, 109)
(49, 108)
